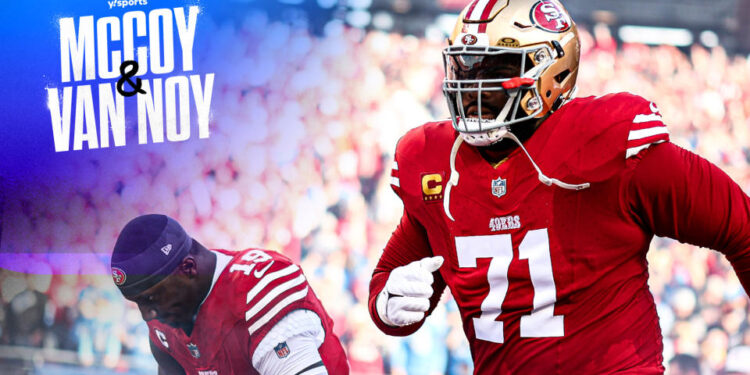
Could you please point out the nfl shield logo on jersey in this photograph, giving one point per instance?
(194, 350)
(498, 187)
(282, 350)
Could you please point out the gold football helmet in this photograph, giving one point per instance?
(527, 49)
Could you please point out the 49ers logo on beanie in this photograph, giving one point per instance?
(150, 247)
(119, 276)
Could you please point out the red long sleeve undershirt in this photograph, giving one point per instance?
(678, 194)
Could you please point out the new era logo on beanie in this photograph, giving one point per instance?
(147, 250)
(166, 249)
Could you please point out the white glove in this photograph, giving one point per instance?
(406, 295)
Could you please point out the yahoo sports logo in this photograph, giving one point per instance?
(125, 3)
(118, 275)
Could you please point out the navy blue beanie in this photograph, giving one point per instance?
(148, 249)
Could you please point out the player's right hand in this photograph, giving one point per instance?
(406, 295)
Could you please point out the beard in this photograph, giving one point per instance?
(522, 130)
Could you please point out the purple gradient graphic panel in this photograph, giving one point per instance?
(194, 146)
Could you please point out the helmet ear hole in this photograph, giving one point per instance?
(548, 93)
(561, 77)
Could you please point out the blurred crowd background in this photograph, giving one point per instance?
(310, 178)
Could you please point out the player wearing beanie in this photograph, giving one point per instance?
(222, 312)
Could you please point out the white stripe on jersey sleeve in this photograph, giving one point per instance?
(634, 150)
(268, 278)
(275, 310)
(644, 133)
(646, 118)
(395, 165)
(281, 288)
(395, 182)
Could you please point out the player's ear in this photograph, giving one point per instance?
(188, 267)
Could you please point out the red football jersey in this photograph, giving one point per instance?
(256, 290)
(550, 280)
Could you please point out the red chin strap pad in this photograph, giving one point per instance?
(517, 82)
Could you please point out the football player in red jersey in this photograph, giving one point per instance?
(217, 312)
(537, 209)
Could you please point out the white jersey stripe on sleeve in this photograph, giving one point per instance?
(395, 165)
(395, 182)
(275, 310)
(268, 278)
(281, 288)
(635, 150)
(646, 118)
(648, 132)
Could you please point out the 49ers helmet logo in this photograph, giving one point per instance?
(469, 39)
(549, 16)
(118, 276)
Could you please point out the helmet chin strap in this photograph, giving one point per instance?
(542, 177)
(453, 180)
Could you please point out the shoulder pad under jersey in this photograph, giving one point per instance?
(592, 137)
(636, 119)
(421, 153)
(264, 283)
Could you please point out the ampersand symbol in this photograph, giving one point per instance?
(129, 69)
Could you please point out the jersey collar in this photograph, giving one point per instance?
(222, 260)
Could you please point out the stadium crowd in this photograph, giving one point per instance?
(298, 160)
